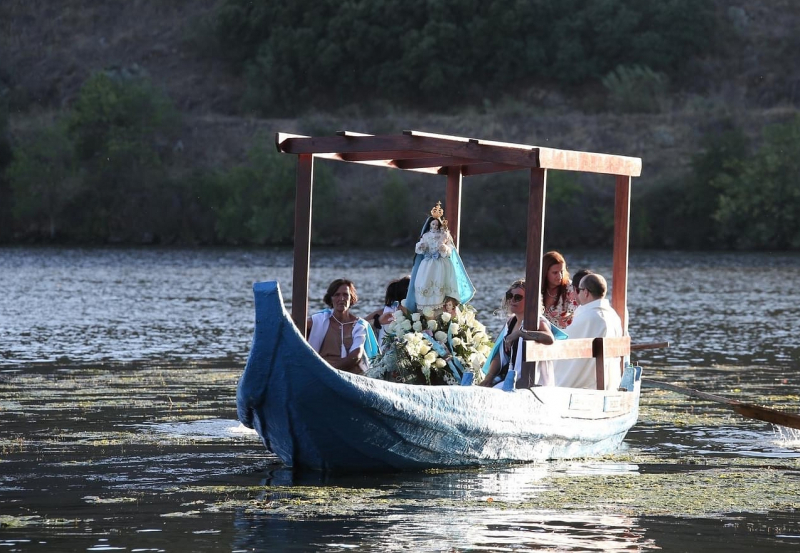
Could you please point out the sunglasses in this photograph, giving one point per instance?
(514, 297)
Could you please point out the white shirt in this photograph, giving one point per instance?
(596, 319)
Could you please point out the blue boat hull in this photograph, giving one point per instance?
(315, 417)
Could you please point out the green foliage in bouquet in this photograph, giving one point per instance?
(433, 349)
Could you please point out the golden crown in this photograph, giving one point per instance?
(437, 211)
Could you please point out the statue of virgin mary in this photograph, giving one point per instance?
(438, 274)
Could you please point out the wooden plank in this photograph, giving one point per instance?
(486, 151)
(385, 163)
(473, 169)
(453, 204)
(352, 133)
(607, 348)
(613, 346)
(394, 155)
(578, 348)
(450, 148)
(619, 277)
(281, 137)
(570, 160)
(431, 161)
(533, 262)
(302, 240)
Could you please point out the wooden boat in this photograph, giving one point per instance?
(315, 417)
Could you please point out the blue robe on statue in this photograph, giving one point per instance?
(438, 272)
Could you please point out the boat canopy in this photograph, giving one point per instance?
(457, 157)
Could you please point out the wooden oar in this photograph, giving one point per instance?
(744, 409)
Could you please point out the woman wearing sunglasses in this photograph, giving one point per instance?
(507, 351)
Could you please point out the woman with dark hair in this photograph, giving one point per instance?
(396, 291)
(557, 293)
(438, 272)
(507, 352)
(342, 339)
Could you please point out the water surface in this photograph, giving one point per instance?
(118, 370)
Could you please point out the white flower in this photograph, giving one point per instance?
(446, 317)
(485, 350)
(454, 328)
(417, 326)
(432, 326)
(440, 363)
(405, 324)
(428, 313)
(429, 358)
(424, 348)
(415, 317)
(457, 341)
(477, 360)
(479, 336)
(440, 336)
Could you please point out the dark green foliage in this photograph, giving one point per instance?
(6, 155)
(758, 201)
(122, 130)
(496, 210)
(635, 89)
(445, 53)
(253, 203)
(680, 212)
(43, 182)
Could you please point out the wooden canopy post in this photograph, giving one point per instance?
(453, 203)
(533, 262)
(622, 207)
(533, 266)
(302, 240)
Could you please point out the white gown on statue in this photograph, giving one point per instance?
(436, 276)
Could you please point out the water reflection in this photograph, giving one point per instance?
(441, 512)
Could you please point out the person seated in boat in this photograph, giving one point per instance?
(507, 353)
(342, 339)
(438, 271)
(396, 291)
(576, 282)
(557, 290)
(595, 319)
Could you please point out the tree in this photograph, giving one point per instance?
(122, 129)
(43, 181)
(758, 204)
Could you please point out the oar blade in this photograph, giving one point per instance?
(768, 415)
(747, 410)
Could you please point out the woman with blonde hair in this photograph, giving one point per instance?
(507, 353)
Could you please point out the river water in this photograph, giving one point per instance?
(118, 370)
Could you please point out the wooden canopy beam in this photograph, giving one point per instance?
(477, 151)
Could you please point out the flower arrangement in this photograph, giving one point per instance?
(430, 348)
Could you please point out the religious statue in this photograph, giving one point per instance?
(438, 275)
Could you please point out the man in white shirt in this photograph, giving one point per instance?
(594, 318)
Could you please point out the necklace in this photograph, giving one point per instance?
(551, 295)
(343, 350)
